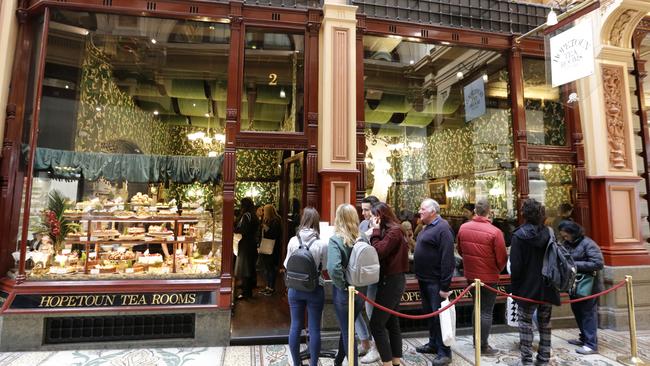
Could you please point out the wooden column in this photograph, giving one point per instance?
(12, 170)
(518, 123)
(640, 74)
(337, 158)
(233, 105)
(581, 199)
(360, 100)
(311, 107)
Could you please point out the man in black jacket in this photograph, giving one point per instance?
(528, 246)
(434, 266)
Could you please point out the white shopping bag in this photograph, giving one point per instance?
(448, 324)
(512, 312)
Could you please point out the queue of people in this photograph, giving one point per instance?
(484, 254)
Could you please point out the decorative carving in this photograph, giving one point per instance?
(577, 137)
(312, 119)
(22, 15)
(616, 34)
(341, 105)
(613, 88)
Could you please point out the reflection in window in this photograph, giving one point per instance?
(551, 185)
(273, 91)
(424, 140)
(130, 131)
(545, 123)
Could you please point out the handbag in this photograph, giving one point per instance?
(266, 246)
(448, 324)
(584, 285)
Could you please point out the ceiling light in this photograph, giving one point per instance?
(212, 27)
(282, 94)
(153, 40)
(411, 62)
(207, 114)
(459, 75)
(98, 109)
(551, 18)
(254, 47)
(193, 104)
(445, 43)
(212, 154)
(67, 86)
(485, 77)
(155, 113)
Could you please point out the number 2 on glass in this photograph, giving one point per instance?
(273, 79)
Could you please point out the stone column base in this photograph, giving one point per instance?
(613, 306)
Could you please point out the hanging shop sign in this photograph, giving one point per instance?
(572, 54)
(74, 301)
(474, 94)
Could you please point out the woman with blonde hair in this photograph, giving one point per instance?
(271, 229)
(346, 232)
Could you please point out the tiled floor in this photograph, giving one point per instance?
(612, 344)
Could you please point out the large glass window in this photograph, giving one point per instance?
(273, 90)
(551, 184)
(438, 124)
(545, 124)
(128, 157)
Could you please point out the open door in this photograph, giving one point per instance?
(292, 196)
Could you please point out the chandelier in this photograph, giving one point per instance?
(206, 140)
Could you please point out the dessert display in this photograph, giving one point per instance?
(146, 236)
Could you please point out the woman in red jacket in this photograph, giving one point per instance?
(388, 238)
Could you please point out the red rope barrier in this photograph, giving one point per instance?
(416, 317)
(613, 288)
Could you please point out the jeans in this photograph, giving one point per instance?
(488, 298)
(526, 311)
(340, 300)
(361, 325)
(269, 269)
(384, 326)
(586, 314)
(430, 302)
(313, 301)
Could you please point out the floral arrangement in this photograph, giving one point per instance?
(53, 223)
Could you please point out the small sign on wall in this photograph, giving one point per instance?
(474, 94)
(572, 54)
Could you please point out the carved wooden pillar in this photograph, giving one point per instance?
(360, 100)
(640, 74)
(581, 198)
(11, 168)
(311, 108)
(518, 123)
(337, 158)
(233, 105)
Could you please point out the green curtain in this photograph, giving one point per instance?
(129, 167)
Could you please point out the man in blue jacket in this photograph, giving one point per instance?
(434, 266)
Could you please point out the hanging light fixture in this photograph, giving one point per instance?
(282, 94)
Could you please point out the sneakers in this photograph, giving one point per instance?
(441, 361)
(576, 342)
(371, 357)
(425, 348)
(584, 350)
(361, 350)
(489, 351)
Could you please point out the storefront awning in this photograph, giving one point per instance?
(130, 167)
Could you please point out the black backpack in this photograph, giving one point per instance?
(559, 271)
(302, 272)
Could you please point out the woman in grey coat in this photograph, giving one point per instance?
(589, 260)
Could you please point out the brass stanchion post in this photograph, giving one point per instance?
(634, 359)
(477, 322)
(351, 293)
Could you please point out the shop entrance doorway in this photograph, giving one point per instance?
(271, 178)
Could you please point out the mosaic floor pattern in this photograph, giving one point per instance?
(612, 344)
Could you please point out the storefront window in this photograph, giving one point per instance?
(551, 185)
(544, 106)
(128, 158)
(273, 90)
(438, 124)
